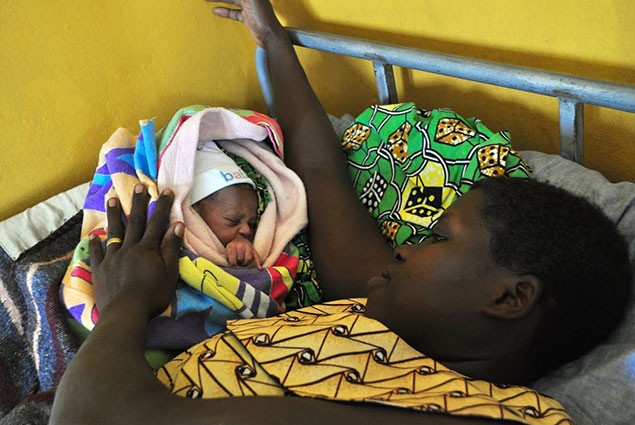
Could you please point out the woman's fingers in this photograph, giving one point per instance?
(160, 220)
(234, 2)
(138, 215)
(94, 251)
(115, 226)
(257, 16)
(225, 12)
(153, 234)
(171, 246)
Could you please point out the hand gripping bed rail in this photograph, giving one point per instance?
(572, 92)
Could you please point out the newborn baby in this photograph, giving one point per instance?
(226, 200)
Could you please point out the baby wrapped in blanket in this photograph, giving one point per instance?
(209, 291)
(226, 200)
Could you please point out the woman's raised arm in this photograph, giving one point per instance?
(346, 245)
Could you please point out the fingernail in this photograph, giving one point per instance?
(179, 229)
(166, 191)
(139, 188)
(112, 202)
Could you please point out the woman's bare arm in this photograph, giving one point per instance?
(346, 245)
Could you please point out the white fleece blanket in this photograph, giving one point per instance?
(284, 216)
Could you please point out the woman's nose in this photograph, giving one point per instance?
(401, 254)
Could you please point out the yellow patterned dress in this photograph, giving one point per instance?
(332, 351)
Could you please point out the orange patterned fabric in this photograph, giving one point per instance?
(333, 351)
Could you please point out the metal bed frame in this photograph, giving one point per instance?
(572, 92)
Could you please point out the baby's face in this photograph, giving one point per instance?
(230, 213)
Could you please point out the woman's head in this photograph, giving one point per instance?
(576, 252)
(514, 268)
(440, 295)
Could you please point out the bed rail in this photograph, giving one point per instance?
(572, 92)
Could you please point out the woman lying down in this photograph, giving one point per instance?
(511, 283)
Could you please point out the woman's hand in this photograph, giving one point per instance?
(257, 15)
(140, 263)
(241, 253)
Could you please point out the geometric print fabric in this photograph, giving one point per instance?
(408, 165)
(332, 351)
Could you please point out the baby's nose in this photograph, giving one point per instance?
(245, 230)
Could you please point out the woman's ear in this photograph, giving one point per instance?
(515, 298)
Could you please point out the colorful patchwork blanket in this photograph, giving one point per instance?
(209, 292)
(408, 165)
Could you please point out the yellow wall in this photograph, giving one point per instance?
(74, 71)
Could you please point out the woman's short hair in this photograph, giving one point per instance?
(576, 251)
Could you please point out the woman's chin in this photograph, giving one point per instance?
(375, 304)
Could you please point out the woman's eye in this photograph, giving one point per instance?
(437, 237)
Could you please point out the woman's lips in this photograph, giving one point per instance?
(377, 281)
